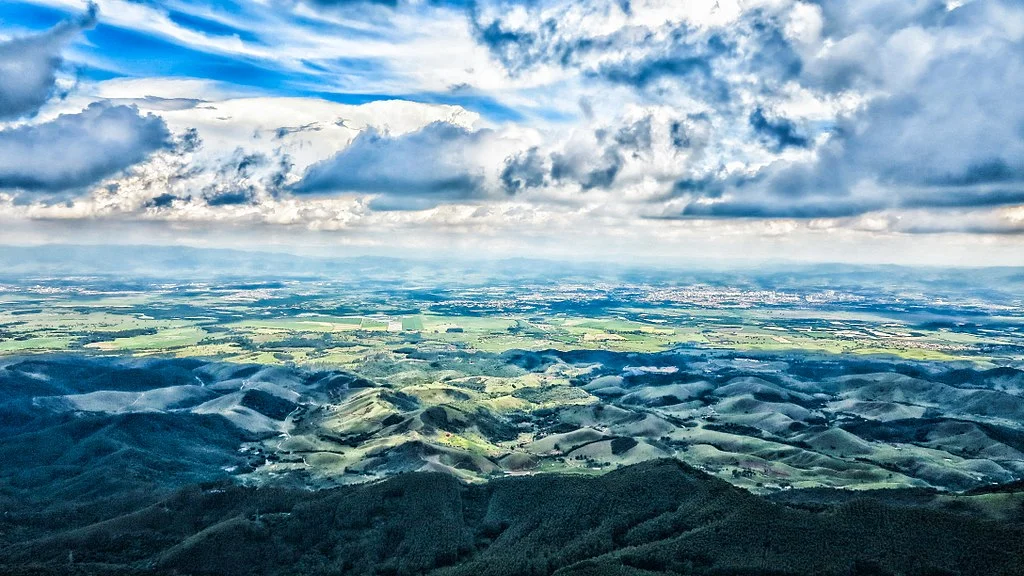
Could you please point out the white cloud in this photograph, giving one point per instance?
(845, 126)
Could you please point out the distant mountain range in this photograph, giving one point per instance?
(184, 263)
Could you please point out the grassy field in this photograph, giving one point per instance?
(164, 340)
(54, 329)
(315, 325)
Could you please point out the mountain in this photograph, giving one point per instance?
(659, 517)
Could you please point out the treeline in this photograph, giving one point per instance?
(660, 517)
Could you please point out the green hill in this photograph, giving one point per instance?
(659, 517)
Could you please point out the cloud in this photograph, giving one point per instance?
(76, 150)
(29, 65)
(647, 72)
(330, 4)
(529, 169)
(598, 113)
(636, 137)
(581, 36)
(286, 130)
(162, 201)
(752, 209)
(235, 182)
(230, 197)
(780, 133)
(521, 48)
(593, 158)
(945, 130)
(589, 172)
(237, 157)
(710, 54)
(430, 165)
(347, 3)
(159, 104)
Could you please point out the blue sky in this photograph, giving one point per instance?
(880, 130)
(117, 50)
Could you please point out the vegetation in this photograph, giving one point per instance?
(660, 517)
(636, 428)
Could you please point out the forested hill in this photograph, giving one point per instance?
(659, 517)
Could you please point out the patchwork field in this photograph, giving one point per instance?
(341, 382)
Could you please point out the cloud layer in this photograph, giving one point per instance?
(416, 170)
(642, 119)
(29, 65)
(76, 150)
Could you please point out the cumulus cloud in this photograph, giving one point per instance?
(418, 169)
(238, 157)
(874, 117)
(943, 128)
(780, 133)
(76, 150)
(526, 169)
(808, 109)
(646, 144)
(29, 66)
(698, 48)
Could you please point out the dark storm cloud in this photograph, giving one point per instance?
(585, 169)
(633, 140)
(76, 150)
(275, 181)
(705, 187)
(962, 197)
(690, 132)
(189, 141)
(697, 60)
(428, 164)
(29, 65)
(856, 32)
(241, 178)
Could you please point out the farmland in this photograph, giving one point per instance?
(795, 386)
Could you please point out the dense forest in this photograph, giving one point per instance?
(659, 517)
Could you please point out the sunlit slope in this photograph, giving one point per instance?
(766, 424)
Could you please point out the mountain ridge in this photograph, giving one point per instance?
(657, 517)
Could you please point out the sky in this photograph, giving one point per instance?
(876, 131)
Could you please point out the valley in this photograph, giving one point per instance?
(445, 423)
